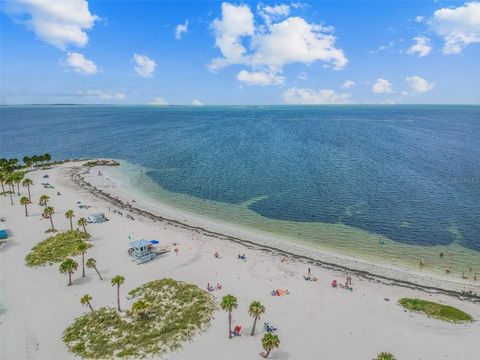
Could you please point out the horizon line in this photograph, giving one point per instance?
(249, 105)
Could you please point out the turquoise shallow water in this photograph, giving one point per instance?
(337, 177)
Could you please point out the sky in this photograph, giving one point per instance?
(235, 53)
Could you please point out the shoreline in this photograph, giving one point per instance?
(371, 272)
(358, 317)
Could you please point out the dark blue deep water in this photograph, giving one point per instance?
(411, 173)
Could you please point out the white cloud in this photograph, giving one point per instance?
(80, 64)
(236, 22)
(382, 86)
(419, 84)
(180, 30)
(312, 97)
(260, 78)
(294, 40)
(348, 84)
(273, 13)
(459, 26)
(419, 19)
(145, 66)
(57, 22)
(197, 103)
(103, 95)
(387, 46)
(421, 47)
(159, 101)
(275, 43)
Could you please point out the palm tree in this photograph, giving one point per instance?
(27, 182)
(3, 177)
(44, 200)
(25, 201)
(269, 342)
(27, 161)
(68, 266)
(255, 310)
(140, 309)
(92, 263)
(118, 280)
(229, 303)
(48, 212)
(34, 160)
(85, 300)
(82, 222)
(9, 182)
(385, 356)
(70, 215)
(17, 178)
(82, 247)
(47, 157)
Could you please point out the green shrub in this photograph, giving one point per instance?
(435, 310)
(56, 248)
(176, 312)
(385, 356)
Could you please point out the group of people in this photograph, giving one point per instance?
(210, 288)
(242, 257)
(310, 276)
(280, 292)
(348, 283)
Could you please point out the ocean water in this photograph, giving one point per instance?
(332, 176)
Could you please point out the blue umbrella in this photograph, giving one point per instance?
(154, 242)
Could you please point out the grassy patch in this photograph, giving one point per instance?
(172, 313)
(385, 356)
(90, 163)
(56, 248)
(93, 163)
(435, 310)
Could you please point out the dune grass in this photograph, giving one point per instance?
(56, 248)
(385, 356)
(435, 310)
(172, 313)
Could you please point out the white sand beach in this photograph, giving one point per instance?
(315, 321)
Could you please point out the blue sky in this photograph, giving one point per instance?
(207, 52)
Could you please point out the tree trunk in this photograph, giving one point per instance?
(83, 264)
(100, 276)
(118, 298)
(268, 353)
(18, 189)
(71, 224)
(3, 190)
(51, 222)
(29, 196)
(229, 325)
(84, 229)
(254, 324)
(26, 210)
(90, 306)
(11, 198)
(69, 278)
